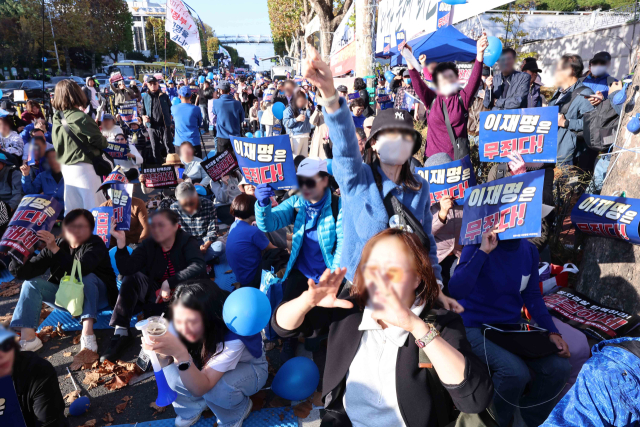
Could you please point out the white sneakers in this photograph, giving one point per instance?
(89, 342)
(246, 414)
(34, 345)
(180, 422)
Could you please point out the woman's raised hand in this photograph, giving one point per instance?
(324, 294)
(387, 306)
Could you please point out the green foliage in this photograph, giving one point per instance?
(213, 44)
(155, 26)
(237, 61)
(563, 5)
(284, 18)
(511, 19)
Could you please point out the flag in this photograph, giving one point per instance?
(409, 101)
(288, 75)
(255, 59)
(182, 30)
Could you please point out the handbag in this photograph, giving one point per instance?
(533, 344)
(70, 294)
(461, 144)
(401, 217)
(103, 164)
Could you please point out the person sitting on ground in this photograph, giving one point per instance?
(108, 127)
(35, 152)
(10, 141)
(492, 282)
(170, 257)
(48, 182)
(377, 336)
(32, 111)
(133, 159)
(100, 289)
(10, 187)
(212, 366)
(40, 124)
(29, 389)
(357, 107)
(224, 191)
(296, 120)
(139, 227)
(193, 169)
(198, 218)
(188, 121)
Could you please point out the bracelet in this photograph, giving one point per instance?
(325, 102)
(430, 336)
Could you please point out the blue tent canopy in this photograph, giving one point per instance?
(446, 44)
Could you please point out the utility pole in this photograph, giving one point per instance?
(43, 53)
(55, 47)
(365, 13)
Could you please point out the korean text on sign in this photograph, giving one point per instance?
(266, 161)
(512, 205)
(128, 111)
(102, 217)
(608, 216)
(160, 176)
(451, 179)
(220, 165)
(117, 150)
(532, 132)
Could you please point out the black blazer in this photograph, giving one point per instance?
(473, 395)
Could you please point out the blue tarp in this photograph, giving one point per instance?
(446, 44)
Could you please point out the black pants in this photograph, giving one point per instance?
(446, 272)
(161, 143)
(197, 151)
(223, 144)
(224, 216)
(136, 293)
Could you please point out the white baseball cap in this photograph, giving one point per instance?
(311, 167)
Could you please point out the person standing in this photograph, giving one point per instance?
(205, 93)
(156, 115)
(509, 88)
(229, 116)
(188, 119)
(92, 95)
(296, 120)
(71, 127)
(598, 78)
(534, 98)
(122, 92)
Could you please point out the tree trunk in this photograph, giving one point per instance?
(326, 37)
(610, 271)
(67, 60)
(364, 37)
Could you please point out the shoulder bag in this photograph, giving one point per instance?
(401, 217)
(460, 145)
(70, 294)
(103, 163)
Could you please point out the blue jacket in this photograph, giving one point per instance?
(45, 184)
(606, 392)
(26, 132)
(568, 146)
(229, 116)
(509, 95)
(366, 214)
(293, 126)
(599, 84)
(165, 106)
(329, 232)
(172, 93)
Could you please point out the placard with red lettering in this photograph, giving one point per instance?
(220, 165)
(512, 205)
(34, 213)
(266, 161)
(608, 216)
(596, 320)
(102, 217)
(160, 176)
(532, 132)
(121, 200)
(451, 179)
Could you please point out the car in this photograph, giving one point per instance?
(32, 88)
(51, 84)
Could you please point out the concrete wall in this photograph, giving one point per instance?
(586, 44)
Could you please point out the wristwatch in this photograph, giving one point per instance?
(430, 336)
(183, 366)
(325, 102)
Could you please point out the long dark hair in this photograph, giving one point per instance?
(293, 103)
(205, 297)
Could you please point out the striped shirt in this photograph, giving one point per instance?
(170, 271)
(202, 224)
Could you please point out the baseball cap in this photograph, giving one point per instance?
(393, 118)
(601, 57)
(531, 65)
(6, 334)
(3, 159)
(107, 116)
(342, 88)
(184, 92)
(311, 167)
(224, 85)
(152, 79)
(406, 73)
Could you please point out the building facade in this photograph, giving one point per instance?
(142, 11)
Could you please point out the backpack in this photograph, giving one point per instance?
(600, 126)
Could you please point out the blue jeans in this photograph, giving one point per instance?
(216, 249)
(511, 374)
(36, 291)
(228, 399)
(205, 116)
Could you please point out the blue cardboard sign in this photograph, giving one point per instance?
(513, 205)
(400, 37)
(409, 102)
(532, 132)
(128, 111)
(117, 150)
(266, 161)
(102, 216)
(444, 14)
(352, 96)
(608, 216)
(451, 179)
(121, 200)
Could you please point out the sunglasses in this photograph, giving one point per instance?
(308, 182)
(7, 345)
(393, 273)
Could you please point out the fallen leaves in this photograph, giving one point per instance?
(71, 397)
(121, 407)
(156, 408)
(89, 423)
(84, 360)
(302, 409)
(6, 319)
(10, 289)
(123, 372)
(108, 418)
(77, 338)
(48, 332)
(66, 354)
(92, 379)
(316, 399)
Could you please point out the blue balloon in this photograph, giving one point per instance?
(297, 379)
(112, 255)
(258, 134)
(493, 51)
(330, 166)
(175, 101)
(248, 135)
(79, 406)
(202, 191)
(201, 79)
(389, 76)
(278, 110)
(634, 124)
(246, 311)
(621, 96)
(210, 76)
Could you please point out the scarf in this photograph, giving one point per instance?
(312, 211)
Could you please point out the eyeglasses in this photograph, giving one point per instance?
(7, 345)
(308, 182)
(393, 273)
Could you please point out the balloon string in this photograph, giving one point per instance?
(480, 22)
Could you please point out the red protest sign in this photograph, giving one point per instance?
(160, 176)
(220, 165)
(115, 77)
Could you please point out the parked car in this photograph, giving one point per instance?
(32, 88)
(51, 84)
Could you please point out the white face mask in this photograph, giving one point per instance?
(598, 70)
(449, 88)
(393, 150)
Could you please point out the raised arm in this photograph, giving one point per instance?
(271, 219)
(423, 91)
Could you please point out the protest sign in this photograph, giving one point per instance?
(117, 150)
(220, 165)
(102, 228)
(444, 14)
(159, 176)
(450, 179)
(608, 216)
(387, 44)
(33, 153)
(128, 111)
(277, 128)
(409, 102)
(115, 77)
(266, 160)
(513, 205)
(400, 37)
(352, 96)
(121, 200)
(464, 72)
(532, 132)
(595, 320)
(34, 213)
(182, 30)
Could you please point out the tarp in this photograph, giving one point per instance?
(446, 44)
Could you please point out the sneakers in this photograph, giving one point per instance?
(117, 346)
(181, 422)
(89, 342)
(34, 345)
(246, 414)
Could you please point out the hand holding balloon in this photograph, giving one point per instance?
(492, 51)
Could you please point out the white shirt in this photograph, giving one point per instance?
(370, 399)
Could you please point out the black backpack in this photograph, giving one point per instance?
(600, 126)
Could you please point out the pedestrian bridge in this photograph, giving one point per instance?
(244, 38)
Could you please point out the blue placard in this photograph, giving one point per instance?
(409, 102)
(121, 200)
(387, 44)
(444, 14)
(513, 205)
(266, 161)
(608, 216)
(128, 112)
(116, 150)
(400, 37)
(450, 179)
(533, 132)
(102, 216)
(352, 96)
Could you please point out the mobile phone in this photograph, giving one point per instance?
(514, 327)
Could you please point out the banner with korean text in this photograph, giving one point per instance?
(102, 228)
(451, 179)
(608, 216)
(513, 205)
(532, 132)
(219, 165)
(182, 30)
(160, 176)
(266, 160)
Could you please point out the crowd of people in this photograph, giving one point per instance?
(366, 261)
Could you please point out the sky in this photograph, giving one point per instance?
(230, 17)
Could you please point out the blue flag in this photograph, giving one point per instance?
(513, 205)
(450, 179)
(608, 216)
(409, 101)
(266, 160)
(532, 132)
(255, 59)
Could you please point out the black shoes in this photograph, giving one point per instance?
(117, 347)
